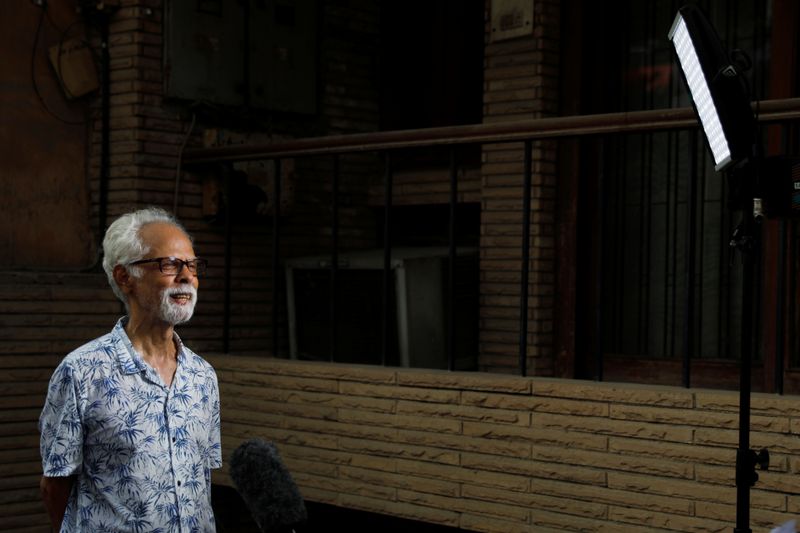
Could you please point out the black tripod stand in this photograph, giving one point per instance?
(746, 240)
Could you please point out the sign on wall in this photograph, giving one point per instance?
(511, 18)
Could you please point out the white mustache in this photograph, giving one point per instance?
(189, 289)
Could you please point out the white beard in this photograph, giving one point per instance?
(173, 313)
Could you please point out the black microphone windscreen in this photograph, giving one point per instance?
(266, 486)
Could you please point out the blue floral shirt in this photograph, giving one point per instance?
(142, 452)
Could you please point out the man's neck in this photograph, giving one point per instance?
(153, 339)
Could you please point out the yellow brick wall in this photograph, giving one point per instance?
(500, 453)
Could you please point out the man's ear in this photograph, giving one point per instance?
(123, 278)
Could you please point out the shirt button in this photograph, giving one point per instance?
(173, 439)
(179, 483)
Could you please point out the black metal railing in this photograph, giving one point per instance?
(769, 112)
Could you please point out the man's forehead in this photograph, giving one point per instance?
(162, 234)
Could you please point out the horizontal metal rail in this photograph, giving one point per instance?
(543, 128)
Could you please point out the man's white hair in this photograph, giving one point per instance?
(123, 244)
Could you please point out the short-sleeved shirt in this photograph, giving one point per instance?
(142, 452)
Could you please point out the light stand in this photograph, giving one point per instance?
(721, 102)
(746, 240)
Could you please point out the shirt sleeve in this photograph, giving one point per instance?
(214, 440)
(60, 425)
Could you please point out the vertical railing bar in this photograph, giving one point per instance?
(526, 233)
(600, 270)
(451, 278)
(780, 324)
(645, 167)
(784, 313)
(387, 255)
(276, 207)
(691, 243)
(665, 344)
(673, 290)
(648, 227)
(644, 234)
(616, 332)
(334, 258)
(701, 216)
(669, 170)
(791, 308)
(226, 302)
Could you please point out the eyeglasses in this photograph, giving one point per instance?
(172, 265)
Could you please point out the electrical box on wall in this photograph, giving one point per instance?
(74, 65)
(283, 55)
(203, 51)
(254, 53)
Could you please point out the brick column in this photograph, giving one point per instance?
(520, 82)
(145, 136)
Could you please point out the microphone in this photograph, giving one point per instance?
(266, 486)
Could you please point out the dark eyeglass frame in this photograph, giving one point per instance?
(196, 266)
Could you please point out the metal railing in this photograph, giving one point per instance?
(768, 112)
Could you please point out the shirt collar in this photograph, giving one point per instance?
(129, 359)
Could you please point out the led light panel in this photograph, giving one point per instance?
(698, 87)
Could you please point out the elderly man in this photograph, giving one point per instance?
(130, 428)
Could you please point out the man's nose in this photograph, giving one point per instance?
(184, 275)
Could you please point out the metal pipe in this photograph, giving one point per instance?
(543, 128)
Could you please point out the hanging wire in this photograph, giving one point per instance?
(50, 18)
(180, 161)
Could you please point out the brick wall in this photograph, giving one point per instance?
(520, 82)
(486, 452)
(43, 316)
